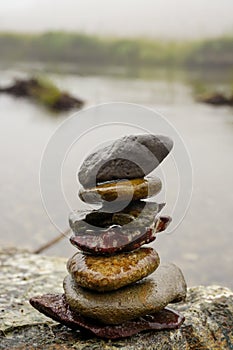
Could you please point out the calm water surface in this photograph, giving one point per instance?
(201, 245)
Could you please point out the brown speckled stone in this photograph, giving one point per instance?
(150, 295)
(122, 190)
(102, 273)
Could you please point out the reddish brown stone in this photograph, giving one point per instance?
(113, 240)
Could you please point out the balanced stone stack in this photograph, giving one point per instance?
(116, 287)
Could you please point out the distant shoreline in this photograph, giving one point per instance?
(78, 48)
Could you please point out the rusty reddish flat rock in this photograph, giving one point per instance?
(112, 240)
(56, 307)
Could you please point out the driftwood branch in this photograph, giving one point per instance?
(51, 242)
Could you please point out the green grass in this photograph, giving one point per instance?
(46, 92)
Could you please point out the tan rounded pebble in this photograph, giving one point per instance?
(103, 273)
(145, 297)
(122, 190)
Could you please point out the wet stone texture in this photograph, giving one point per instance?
(208, 312)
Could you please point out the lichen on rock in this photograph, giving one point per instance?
(208, 312)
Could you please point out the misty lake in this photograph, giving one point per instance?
(202, 244)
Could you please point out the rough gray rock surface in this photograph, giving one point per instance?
(208, 312)
(129, 157)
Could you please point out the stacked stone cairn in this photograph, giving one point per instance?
(116, 287)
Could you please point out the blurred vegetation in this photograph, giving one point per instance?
(43, 91)
(46, 92)
(81, 48)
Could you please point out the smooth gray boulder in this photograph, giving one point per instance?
(129, 157)
(164, 286)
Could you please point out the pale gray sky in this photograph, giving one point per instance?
(157, 18)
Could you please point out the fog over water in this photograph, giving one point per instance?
(161, 18)
(201, 245)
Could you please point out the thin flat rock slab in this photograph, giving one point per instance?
(129, 157)
(122, 190)
(102, 233)
(56, 307)
(101, 273)
(166, 285)
(105, 243)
